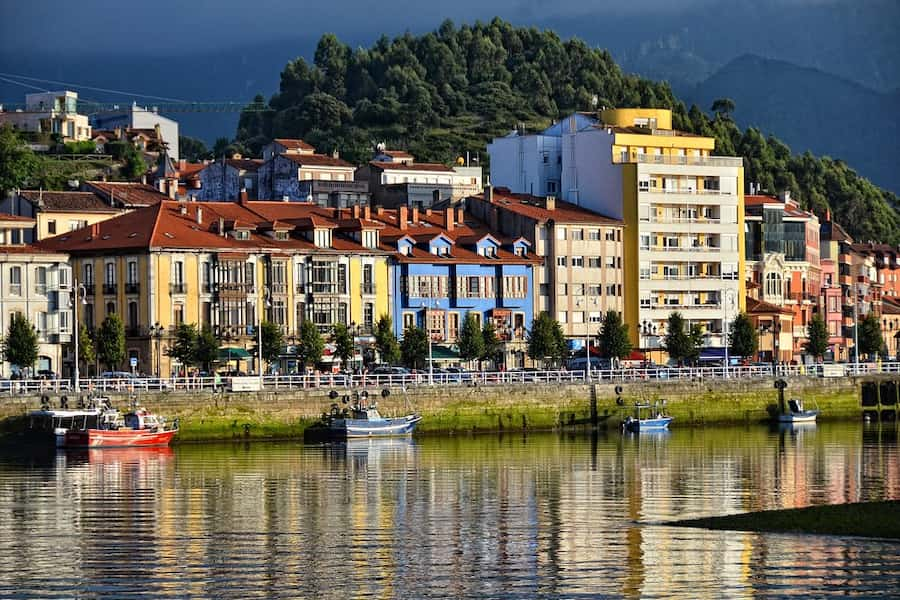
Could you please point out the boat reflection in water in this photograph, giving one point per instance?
(109, 456)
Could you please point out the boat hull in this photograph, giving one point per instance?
(118, 438)
(364, 428)
(658, 424)
(807, 416)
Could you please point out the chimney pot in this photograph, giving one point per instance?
(367, 212)
(449, 222)
(402, 218)
(460, 215)
(550, 202)
(243, 195)
(488, 192)
(199, 216)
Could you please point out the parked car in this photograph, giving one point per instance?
(387, 370)
(46, 374)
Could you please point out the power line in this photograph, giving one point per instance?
(88, 87)
(34, 87)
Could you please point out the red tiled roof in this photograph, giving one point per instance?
(127, 194)
(533, 207)
(292, 144)
(390, 166)
(25, 249)
(316, 160)
(755, 306)
(397, 154)
(191, 169)
(889, 306)
(68, 201)
(15, 218)
(244, 164)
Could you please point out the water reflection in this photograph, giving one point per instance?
(510, 516)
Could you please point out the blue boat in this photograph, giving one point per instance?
(361, 419)
(654, 419)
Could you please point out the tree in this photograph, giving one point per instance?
(386, 341)
(870, 340)
(471, 340)
(343, 343)
(816, 336)
(111, 342)
(677, 341)
(723, 106)
(613, 340)
(546, 341)
(493, 347)
(183, 346)
(273, 341)
(20, 346)
(414, 347)
(743, 338)
(192, 149)
(86, 351)
(17, 162)
(695, 336)
(133, 165)
(310, 345)
(207, 349)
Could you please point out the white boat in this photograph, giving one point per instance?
(56, 423)
(795, 413)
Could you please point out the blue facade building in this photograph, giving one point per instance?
(448, 265)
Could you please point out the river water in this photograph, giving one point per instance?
(512, 516)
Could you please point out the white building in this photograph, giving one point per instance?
(139, 117)
(50, 112)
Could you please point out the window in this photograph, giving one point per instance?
(89, 316)
(15, 281)
(544, 289)
(132, 272)
(610, 235)
(368, 315)
(560, 233)
(594, 262)
(578, 317)
(578, 289)
(342, 278)
(178, 315)
(368, 283)
(611, 262)
(594, 289)
(560, 261)
(88, 271)
(562, 316)
(595, 317)
(40, 275)
(562, 289)
(409, 320)
(577, 261)
(552, 186)
(110, 308)
(611, 289)
(279, 313)
(578, 234)
(77, 224)
(132, 315)
(594, 235)
(51, 227)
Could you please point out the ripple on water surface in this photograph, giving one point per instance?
(492, 516)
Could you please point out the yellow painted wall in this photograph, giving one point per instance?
(382, 281)
(62, 221)
(630, 241)
(624, 117)
(742, 282)
(355, 297)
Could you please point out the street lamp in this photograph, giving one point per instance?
(729, 303)
(259, 351)
(80, 292)
(156, 332)
(428, 334)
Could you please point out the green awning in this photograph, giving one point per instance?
(443, 353)
(233, 354)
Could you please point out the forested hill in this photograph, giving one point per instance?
(448, 92)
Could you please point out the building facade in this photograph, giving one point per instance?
(51, 113)
(137, 118)
(582, 273)
(224, 180)
(286, 176)
(36, 283)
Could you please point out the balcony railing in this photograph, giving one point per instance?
(239, 287)
(178, 288)
(693, 161)
(89, 288)
(324, 288)
(367, 288)
(132, 288)
(278, 288)
(109, 289)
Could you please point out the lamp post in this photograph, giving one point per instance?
(428, 335)
(156, 332)
(729, 302)
(855, 329)
(259, 348)
(80, 294)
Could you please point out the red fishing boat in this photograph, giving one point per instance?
(139, 428)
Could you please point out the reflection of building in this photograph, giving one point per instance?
(582, 275)
(36, 283)
(218, 264)
(50, 113)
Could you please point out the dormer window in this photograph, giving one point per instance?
(282, 236)
(241, 234)
(489, 251)
(519, 250)
(370, 238)
(441, 250)
(322, 238)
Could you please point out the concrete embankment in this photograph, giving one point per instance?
(204, 415)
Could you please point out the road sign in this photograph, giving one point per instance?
(133, 362)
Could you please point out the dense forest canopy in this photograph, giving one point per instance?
(448, 92)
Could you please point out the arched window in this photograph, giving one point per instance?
(773, 285)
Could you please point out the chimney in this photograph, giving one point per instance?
(460, 215)
(171, 188)
(449, 223)
(199, 216)
(550, 202)
(95, 230)
(182, 163)
(415, 214)
(379, 210)
(494, 213)
(354, 211)
(367, 212)
(488, 192)
(243, 196)
(427, 212)
(222, 226)
(828, 214)
(182, 208)
(285, 198)
(402, 218)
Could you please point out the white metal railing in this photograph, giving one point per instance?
(420, 379)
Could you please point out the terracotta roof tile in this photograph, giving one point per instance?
(130, 195)
(316, 160)
(533, 207)
(15, 218)
(68, 201)
(755, 306)
(391, 166)
(292, 144)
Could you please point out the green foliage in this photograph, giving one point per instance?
(111, 342)
(695, 336)
(678, 342)
(743, 338)
(207, 349)
(470, 341)
(386, 341)
(310, 345)
(82, 147)
(192, 149)
(86, 351)
(870, 340)
(414, 347)
(20, 346)
(183, 346)
(613, 340)
(273, 341)
(493, 347)
(18, 163)
(449, 91)
(133, 165)
(816, 336)
(546, 341)
(343, 343)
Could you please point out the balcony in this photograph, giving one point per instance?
(89, 288)
(178, 288)
(278, 289)
(133, 288)
(134, 331)
(300, 288)
(239, 287)
(323, 287)
(109, 289)
(367, 288)
(690, 161)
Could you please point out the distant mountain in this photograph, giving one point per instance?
(811, 110)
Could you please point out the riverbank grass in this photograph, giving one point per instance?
(865, 519)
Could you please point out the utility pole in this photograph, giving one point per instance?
(855, 328)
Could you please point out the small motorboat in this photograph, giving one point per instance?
(792, 411)
(648, 417)
(139, 428)
(360, 419)
(54, 423)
